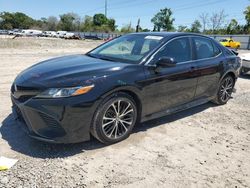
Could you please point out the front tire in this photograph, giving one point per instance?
(225, 90)
(114, 118)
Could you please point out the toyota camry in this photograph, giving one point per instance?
(114, 87)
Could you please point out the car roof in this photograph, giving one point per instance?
(168, 34)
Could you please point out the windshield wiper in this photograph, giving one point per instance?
(91, 55)
(100, 57)
(106, 58)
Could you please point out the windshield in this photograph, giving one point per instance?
(128, 48)
(223, 40)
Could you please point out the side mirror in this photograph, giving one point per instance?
(166, 62)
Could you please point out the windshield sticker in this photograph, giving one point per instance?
(154, 37)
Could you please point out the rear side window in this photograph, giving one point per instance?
(205, 48)
(179, 49)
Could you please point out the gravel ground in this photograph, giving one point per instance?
(206, 146)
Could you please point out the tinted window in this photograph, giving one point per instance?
(148, 45)
(205, 48)
(178, 49)
(216, 50)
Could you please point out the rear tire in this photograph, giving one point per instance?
(225, 90)
(114, 118)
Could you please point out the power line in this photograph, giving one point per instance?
(184, 8)
(106, 7)
(199, 5)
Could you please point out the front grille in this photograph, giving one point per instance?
(22, 94)
(23, 88)
(24, 98)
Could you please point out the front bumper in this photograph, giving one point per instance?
(63, 120)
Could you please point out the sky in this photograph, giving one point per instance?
(126, 11)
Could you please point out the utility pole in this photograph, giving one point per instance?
(106, 7)
(138, 26)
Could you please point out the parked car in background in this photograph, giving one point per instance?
(92, 37)
(128, 80)
(15, 32)
(49, 34)
(3, 32)
(69, 35)
(31, 32)
(53, 34)
(245, 59)
(61, 34)
(230, 43)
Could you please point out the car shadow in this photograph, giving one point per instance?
(173, 117)
(19, 141)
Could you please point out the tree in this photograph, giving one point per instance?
(182, 28)
(195, 27)
(232, 27)
(163, 20)
(16, 20)
(247, 15)
(100, 19)
(217, 20)
(111, 24)
(69, 22)
(87, 24)
(127, 29)
(146, 30)
(204, 17)
(52, 23)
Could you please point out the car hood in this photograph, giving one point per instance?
(67, 71)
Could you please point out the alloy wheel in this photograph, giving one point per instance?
(118, 119)
(226, 89)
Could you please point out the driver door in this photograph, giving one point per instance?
(170, 86)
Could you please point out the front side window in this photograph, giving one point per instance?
(205, 48)
(128, 48)
(179, 49)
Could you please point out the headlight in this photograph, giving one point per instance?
(65, 92)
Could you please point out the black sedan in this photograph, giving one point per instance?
(128, 80)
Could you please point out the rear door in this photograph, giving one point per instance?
(208, 63)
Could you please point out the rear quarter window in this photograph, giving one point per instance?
(205, 48)
(228, 52)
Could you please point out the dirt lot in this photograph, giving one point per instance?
(207, 146)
